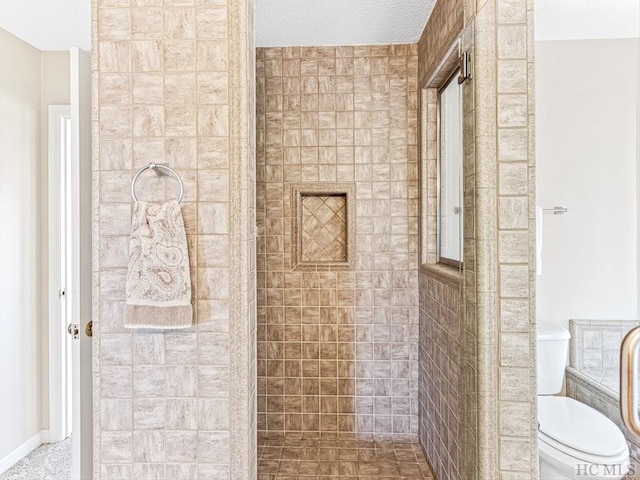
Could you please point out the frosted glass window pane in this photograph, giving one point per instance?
(450, 173)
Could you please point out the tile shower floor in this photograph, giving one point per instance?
(304, 458)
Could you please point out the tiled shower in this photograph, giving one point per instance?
(337, 216)
(339, 188)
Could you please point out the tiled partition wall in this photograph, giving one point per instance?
(337, 345)
(498, 345)
(504, 38)
(173, 83)
(448, 399)
(441, 387)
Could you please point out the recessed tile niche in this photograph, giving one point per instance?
(322, 226)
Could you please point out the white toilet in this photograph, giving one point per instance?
(575, 442)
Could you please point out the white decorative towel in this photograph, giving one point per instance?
(158, 278)
(539, 222)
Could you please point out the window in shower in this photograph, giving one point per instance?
(450, 174)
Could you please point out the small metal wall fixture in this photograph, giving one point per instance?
(555, 210)
(465, 68)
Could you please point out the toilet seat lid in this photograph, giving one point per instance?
(579, 426)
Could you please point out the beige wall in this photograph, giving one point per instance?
(20, 269)
(174, 84)
(38, 80)
(338, 346)
(587, 148)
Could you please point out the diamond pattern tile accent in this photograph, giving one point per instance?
(324, 228)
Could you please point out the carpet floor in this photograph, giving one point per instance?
(51, 461)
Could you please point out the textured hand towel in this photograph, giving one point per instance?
(158, 279)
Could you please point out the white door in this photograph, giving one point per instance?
(81, 262)
(59, 302)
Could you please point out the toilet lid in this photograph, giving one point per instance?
(579, 426)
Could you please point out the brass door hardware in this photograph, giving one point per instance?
(628, 372)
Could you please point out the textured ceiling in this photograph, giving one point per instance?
(586, 19)
(48, 24)
(339, 22)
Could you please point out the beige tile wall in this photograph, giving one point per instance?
(173, 83)
(499, 315)
(595, 344)
(441, 382)
(337, 350)
(142, 52)
(448, 335)
(444, 26)
(515, 150)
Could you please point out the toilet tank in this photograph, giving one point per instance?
(553, 346)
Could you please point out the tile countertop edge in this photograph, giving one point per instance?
(593, 382)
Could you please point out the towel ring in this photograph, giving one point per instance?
(155, 166)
